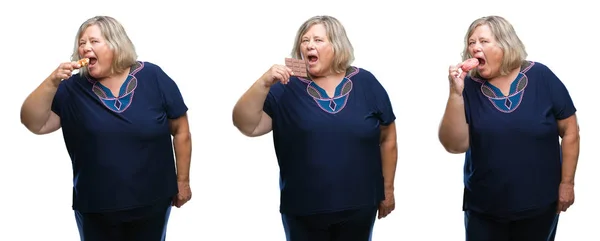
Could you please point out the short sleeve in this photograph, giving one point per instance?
(562, 104)
(271, 102)
(173, 100)
(382, 102)
(60, 98)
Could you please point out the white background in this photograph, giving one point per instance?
(216, 52)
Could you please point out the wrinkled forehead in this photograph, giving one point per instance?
(90, 31)
(315, 29)
(479, 30)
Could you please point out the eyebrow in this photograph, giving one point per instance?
(92, 38)
(316, 36)
(472, 39)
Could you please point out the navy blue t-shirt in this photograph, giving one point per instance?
(513, 166)
(328, 148)
(120, 146)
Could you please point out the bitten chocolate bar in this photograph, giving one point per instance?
(298, 66)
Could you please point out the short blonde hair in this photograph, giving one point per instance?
(124, 54)
(507, 39)
(336, 33)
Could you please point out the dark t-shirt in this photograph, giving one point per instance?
(120, 146)
(328, 148)
(513, 167)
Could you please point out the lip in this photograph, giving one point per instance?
(479, 56)
(312, 65)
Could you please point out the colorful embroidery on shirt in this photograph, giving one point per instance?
(510, 102)
(339, 100)
(123, 101)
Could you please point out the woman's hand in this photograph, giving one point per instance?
(457, 79)
(277, 73)
(63, 72)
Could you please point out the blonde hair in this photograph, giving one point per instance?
(336, 33)
(507, 39)
(124, 54)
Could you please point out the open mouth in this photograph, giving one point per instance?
(481, 62)
(93, 61)
(312, 58)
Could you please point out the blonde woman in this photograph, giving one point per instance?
(334, 135)
(117, 117)
(507, 115)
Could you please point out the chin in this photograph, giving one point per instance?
(483, 74)
(94, 74)
(314, 71)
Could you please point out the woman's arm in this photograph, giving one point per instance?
(454, 131)
(251, 113)
(248, 114)
(389, 155)
(182, 143)
(569, 133)
(36, 113)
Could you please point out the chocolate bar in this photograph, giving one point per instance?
(298, 66)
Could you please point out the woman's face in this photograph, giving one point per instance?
(483, 46)
(93, 46)
(317, 51)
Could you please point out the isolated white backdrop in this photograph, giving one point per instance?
(215, 51)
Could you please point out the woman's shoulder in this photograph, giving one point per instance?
(360, 74)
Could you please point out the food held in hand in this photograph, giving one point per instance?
(298, 67)
(83, 62)
(469, 64)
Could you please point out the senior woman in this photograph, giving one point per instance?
(117, 117)
(334, 137)
(507, 115)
